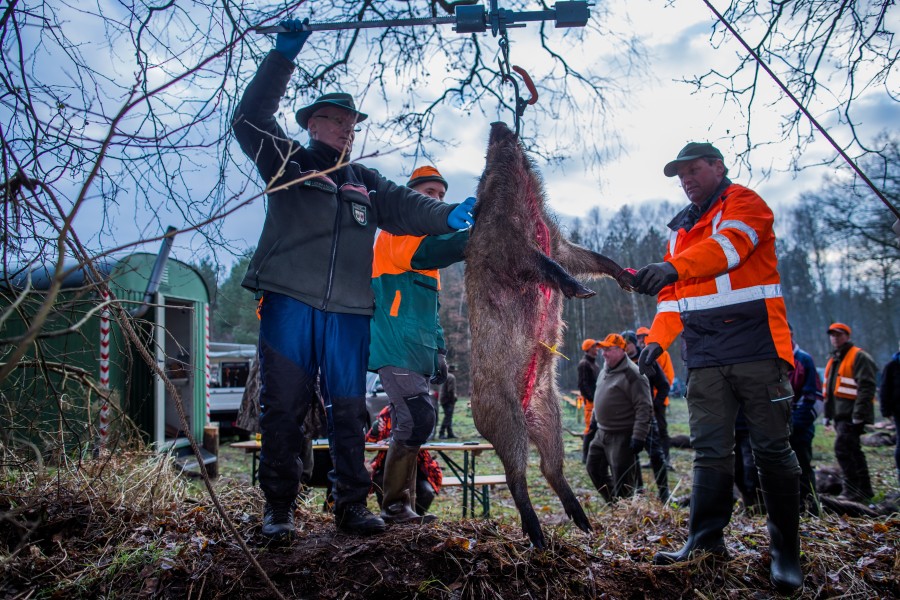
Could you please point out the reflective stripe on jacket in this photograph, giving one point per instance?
(856, 379)
(845, 385)
(727, 300)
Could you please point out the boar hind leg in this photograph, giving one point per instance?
(511, 445)
(552, 274)
(544, 433)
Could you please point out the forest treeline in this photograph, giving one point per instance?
(838, 258)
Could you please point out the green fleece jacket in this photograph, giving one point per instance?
(622, 402)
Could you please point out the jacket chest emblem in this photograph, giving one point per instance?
(360, 214)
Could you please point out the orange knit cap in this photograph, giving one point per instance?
(426, 173)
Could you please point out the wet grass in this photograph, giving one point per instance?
(234, 468)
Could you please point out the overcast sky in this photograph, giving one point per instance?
(653, 122)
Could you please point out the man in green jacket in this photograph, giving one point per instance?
(407, 343)
(623, 410)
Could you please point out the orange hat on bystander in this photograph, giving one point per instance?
(588, 344)
(839, 327)
(613, 339)
(426, 173)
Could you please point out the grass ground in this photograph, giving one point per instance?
(234, 468)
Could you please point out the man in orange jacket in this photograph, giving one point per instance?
(719, 285)
(659, 410)
(588, 371)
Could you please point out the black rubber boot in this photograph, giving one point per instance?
(400, 469)
(357, 518)
(782, 497)
(278, 520)
(711, 505)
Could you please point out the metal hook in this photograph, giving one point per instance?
(506, 75)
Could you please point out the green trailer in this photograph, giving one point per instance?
(168, 305)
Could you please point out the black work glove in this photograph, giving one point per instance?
(655, 277)
(290, 43)
(636, 445)
(441, 375)
(647, 359)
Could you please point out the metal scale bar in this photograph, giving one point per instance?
(467, 19)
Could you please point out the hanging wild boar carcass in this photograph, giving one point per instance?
(518, 268)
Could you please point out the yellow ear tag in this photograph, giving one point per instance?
(553, 350)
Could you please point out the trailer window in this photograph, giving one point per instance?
(233, 374)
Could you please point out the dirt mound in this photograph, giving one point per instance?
(63, 545)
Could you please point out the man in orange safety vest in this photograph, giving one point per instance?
(849, 390)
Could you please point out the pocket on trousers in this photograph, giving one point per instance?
(780, 391)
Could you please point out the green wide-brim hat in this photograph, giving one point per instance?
(692, 151)
(338, 99)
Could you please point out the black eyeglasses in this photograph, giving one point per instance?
(341, 122)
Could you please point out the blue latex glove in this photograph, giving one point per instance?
(289, 44)
(461, 215)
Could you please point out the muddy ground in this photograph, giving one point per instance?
(66, 543)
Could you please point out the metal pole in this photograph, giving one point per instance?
(413, 22)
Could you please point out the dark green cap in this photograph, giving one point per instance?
(692, 151)
(339, 99)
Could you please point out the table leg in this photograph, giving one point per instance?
(463, 474)
(465, 484)
(472, 485)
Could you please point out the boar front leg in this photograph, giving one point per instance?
(580, 261)
(552, 274)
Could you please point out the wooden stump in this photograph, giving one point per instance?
(211, 444)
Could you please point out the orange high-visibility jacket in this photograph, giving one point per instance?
(727, 299)
(665, 363)
(405, 329)
(845, 385)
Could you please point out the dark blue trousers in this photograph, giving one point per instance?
(297, 343)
